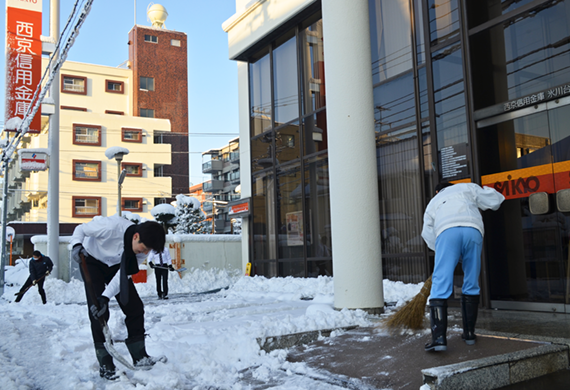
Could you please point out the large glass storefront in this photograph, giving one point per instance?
(464, 91)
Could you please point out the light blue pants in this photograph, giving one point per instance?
(452, 244)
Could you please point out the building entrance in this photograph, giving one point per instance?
(525, 155)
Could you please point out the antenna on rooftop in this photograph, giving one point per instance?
(156, 14)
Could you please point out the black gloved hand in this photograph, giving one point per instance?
(77, 249)
(103, 307)
(170, 267)
(151, 264)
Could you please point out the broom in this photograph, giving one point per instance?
(411, 315)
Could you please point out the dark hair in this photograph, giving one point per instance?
(152, 235)
(441, 186)
(37, 253)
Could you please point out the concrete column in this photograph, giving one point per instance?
(357, 262)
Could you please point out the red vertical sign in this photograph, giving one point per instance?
(23, 60)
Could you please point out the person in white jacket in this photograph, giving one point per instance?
(113, 248)
(453, 227)
(161, 262)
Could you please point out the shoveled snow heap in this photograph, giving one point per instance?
(210, 340)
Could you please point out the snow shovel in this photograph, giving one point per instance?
(108, 339)
(177, 270)
(32, 285)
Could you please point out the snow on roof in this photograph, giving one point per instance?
(114, 150)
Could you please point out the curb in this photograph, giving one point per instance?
(501, 370)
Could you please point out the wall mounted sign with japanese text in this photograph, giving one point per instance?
(23, 58)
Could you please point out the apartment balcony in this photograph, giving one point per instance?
(212, 166)
(234, 157)
(213, 186)
(207, 206)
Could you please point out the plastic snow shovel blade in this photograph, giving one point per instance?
(181, 269)
(113, 352)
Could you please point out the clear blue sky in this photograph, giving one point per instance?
(212, 77)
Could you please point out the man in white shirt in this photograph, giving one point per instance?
(161, 263)
(113, 248)
(453, 227)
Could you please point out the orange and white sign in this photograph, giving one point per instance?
(23, 59)
(240, 208)
(520, 183)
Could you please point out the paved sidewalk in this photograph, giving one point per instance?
(511, 347)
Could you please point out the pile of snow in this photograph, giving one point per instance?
(210, 340)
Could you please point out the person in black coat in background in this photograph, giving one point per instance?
(40, 267)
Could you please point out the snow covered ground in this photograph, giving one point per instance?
(210, 340)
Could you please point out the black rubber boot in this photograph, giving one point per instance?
(106, 365)
(141, 359)
(438, 321)
(469, 309)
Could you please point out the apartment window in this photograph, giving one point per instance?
(131, 135)
(159, 137)
(74, 84)
(86, 135)
(159, 171)
(150, 38)
(132, 204)
(147, 113)
(111, 112)
(86, 170)
(86, 206)
(133, 169)
(114, 86)
(175, 42)
(147, 83)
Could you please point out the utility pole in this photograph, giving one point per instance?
(61, 270)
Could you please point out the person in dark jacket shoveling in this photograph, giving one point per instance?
(113, 248)
(40, 266)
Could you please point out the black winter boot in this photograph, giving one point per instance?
(106, 365)
(438, 321)
(141, 359)
(469, 309)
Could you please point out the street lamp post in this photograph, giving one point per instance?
(117, 153)
(214, 203)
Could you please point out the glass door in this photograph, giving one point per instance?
(525, 155)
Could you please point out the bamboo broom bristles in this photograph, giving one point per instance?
(411, 315)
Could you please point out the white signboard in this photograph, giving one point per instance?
(33, 160)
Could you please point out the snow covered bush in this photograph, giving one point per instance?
(190, 218)
(165, 214)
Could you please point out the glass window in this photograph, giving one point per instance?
(290, 214)
(87, 170)
(394, 103)
(314, 92)
(317, 204)
(147, 83)
(390, 38)
(423, 92)
(158, 170)
(74, 84)
(132, 204)
(159, 137)
(443, 20)
(133, 169)
(315, 133)
(86, 207)
(449, 98)
(114, 86)
(285, 87)
(263, 195)
(86, 135)
(147, 113)
(150, 38)
(260, 96)
(131, 135)
(175, 42)
(399, 185)
(420, 41)
(287, 144)
(521, 57)
(481, 11)
(262, 152)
